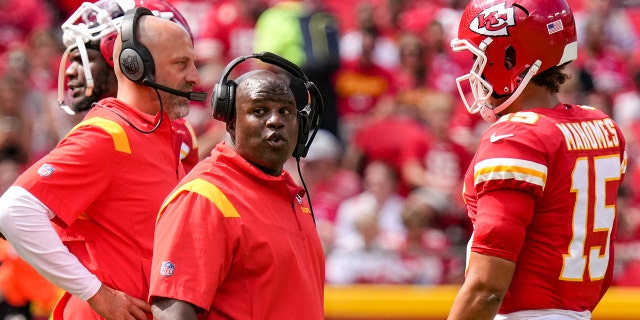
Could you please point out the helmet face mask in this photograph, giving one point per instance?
(512, 40)
(479, 87)
(95, 25)
(93, 21)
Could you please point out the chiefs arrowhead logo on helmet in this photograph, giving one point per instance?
(494, 21)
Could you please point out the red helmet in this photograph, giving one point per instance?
(512, 41)
(95, 25)
(164, 9)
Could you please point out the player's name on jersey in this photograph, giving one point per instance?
(592, 134)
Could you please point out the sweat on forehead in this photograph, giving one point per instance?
(263, 82)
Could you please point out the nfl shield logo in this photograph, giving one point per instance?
(130, 64)
(46, 170)
(167, 268)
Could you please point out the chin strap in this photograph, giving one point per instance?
(89, 83)
(490, 114)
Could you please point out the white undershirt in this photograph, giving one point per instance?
(25, 222)
(545, 314)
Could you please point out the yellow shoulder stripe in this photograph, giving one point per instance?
(120, 140)
(207, 190)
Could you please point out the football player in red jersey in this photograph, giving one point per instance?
(87, 64)
(541, 189)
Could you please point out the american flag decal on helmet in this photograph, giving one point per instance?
(555, 26)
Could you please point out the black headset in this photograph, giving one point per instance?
(136, 62)
(309, 117)
(135, 59)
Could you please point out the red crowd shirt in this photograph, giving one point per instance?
(360, 88)
(239, 244)
(570, 162)
(105, 182)
(410, 140)
(229, 31)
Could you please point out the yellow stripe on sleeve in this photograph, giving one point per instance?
(120, 139)
(207, 190)
(507, 168)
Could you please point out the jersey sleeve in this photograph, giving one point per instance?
(193, 247)
(500, 226)
(77, 171)
(511, 157)
(509, 175)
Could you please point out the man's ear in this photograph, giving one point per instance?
(231, 128)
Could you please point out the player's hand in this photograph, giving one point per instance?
(117, 305)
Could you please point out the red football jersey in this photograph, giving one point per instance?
(571, 160)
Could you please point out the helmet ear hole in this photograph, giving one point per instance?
(510, 58)
(106, 47)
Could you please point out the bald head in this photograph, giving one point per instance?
(173, 58)
(155, 33)
(264, 82)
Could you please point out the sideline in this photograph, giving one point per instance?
(399, 302)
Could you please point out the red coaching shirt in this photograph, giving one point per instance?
(105, 182)
(569, 161)
(239, 244)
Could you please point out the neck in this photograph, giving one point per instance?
(533, 97)
(144, 100)
(271, 172)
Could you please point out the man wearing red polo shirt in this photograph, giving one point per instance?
(236, 239)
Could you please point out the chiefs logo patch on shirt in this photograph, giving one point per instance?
(46, 170)
(167, 268)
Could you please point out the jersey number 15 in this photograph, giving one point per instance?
(606, 168)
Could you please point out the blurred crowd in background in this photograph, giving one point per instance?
(385, 171)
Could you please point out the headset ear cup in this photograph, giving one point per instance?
(131, 65)
(310, 120)
(230, 110)
(106, 48)
(216, 102)
(135, 60)
(303, 134)
(223, 101)
(137, 64)
(149, 67)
